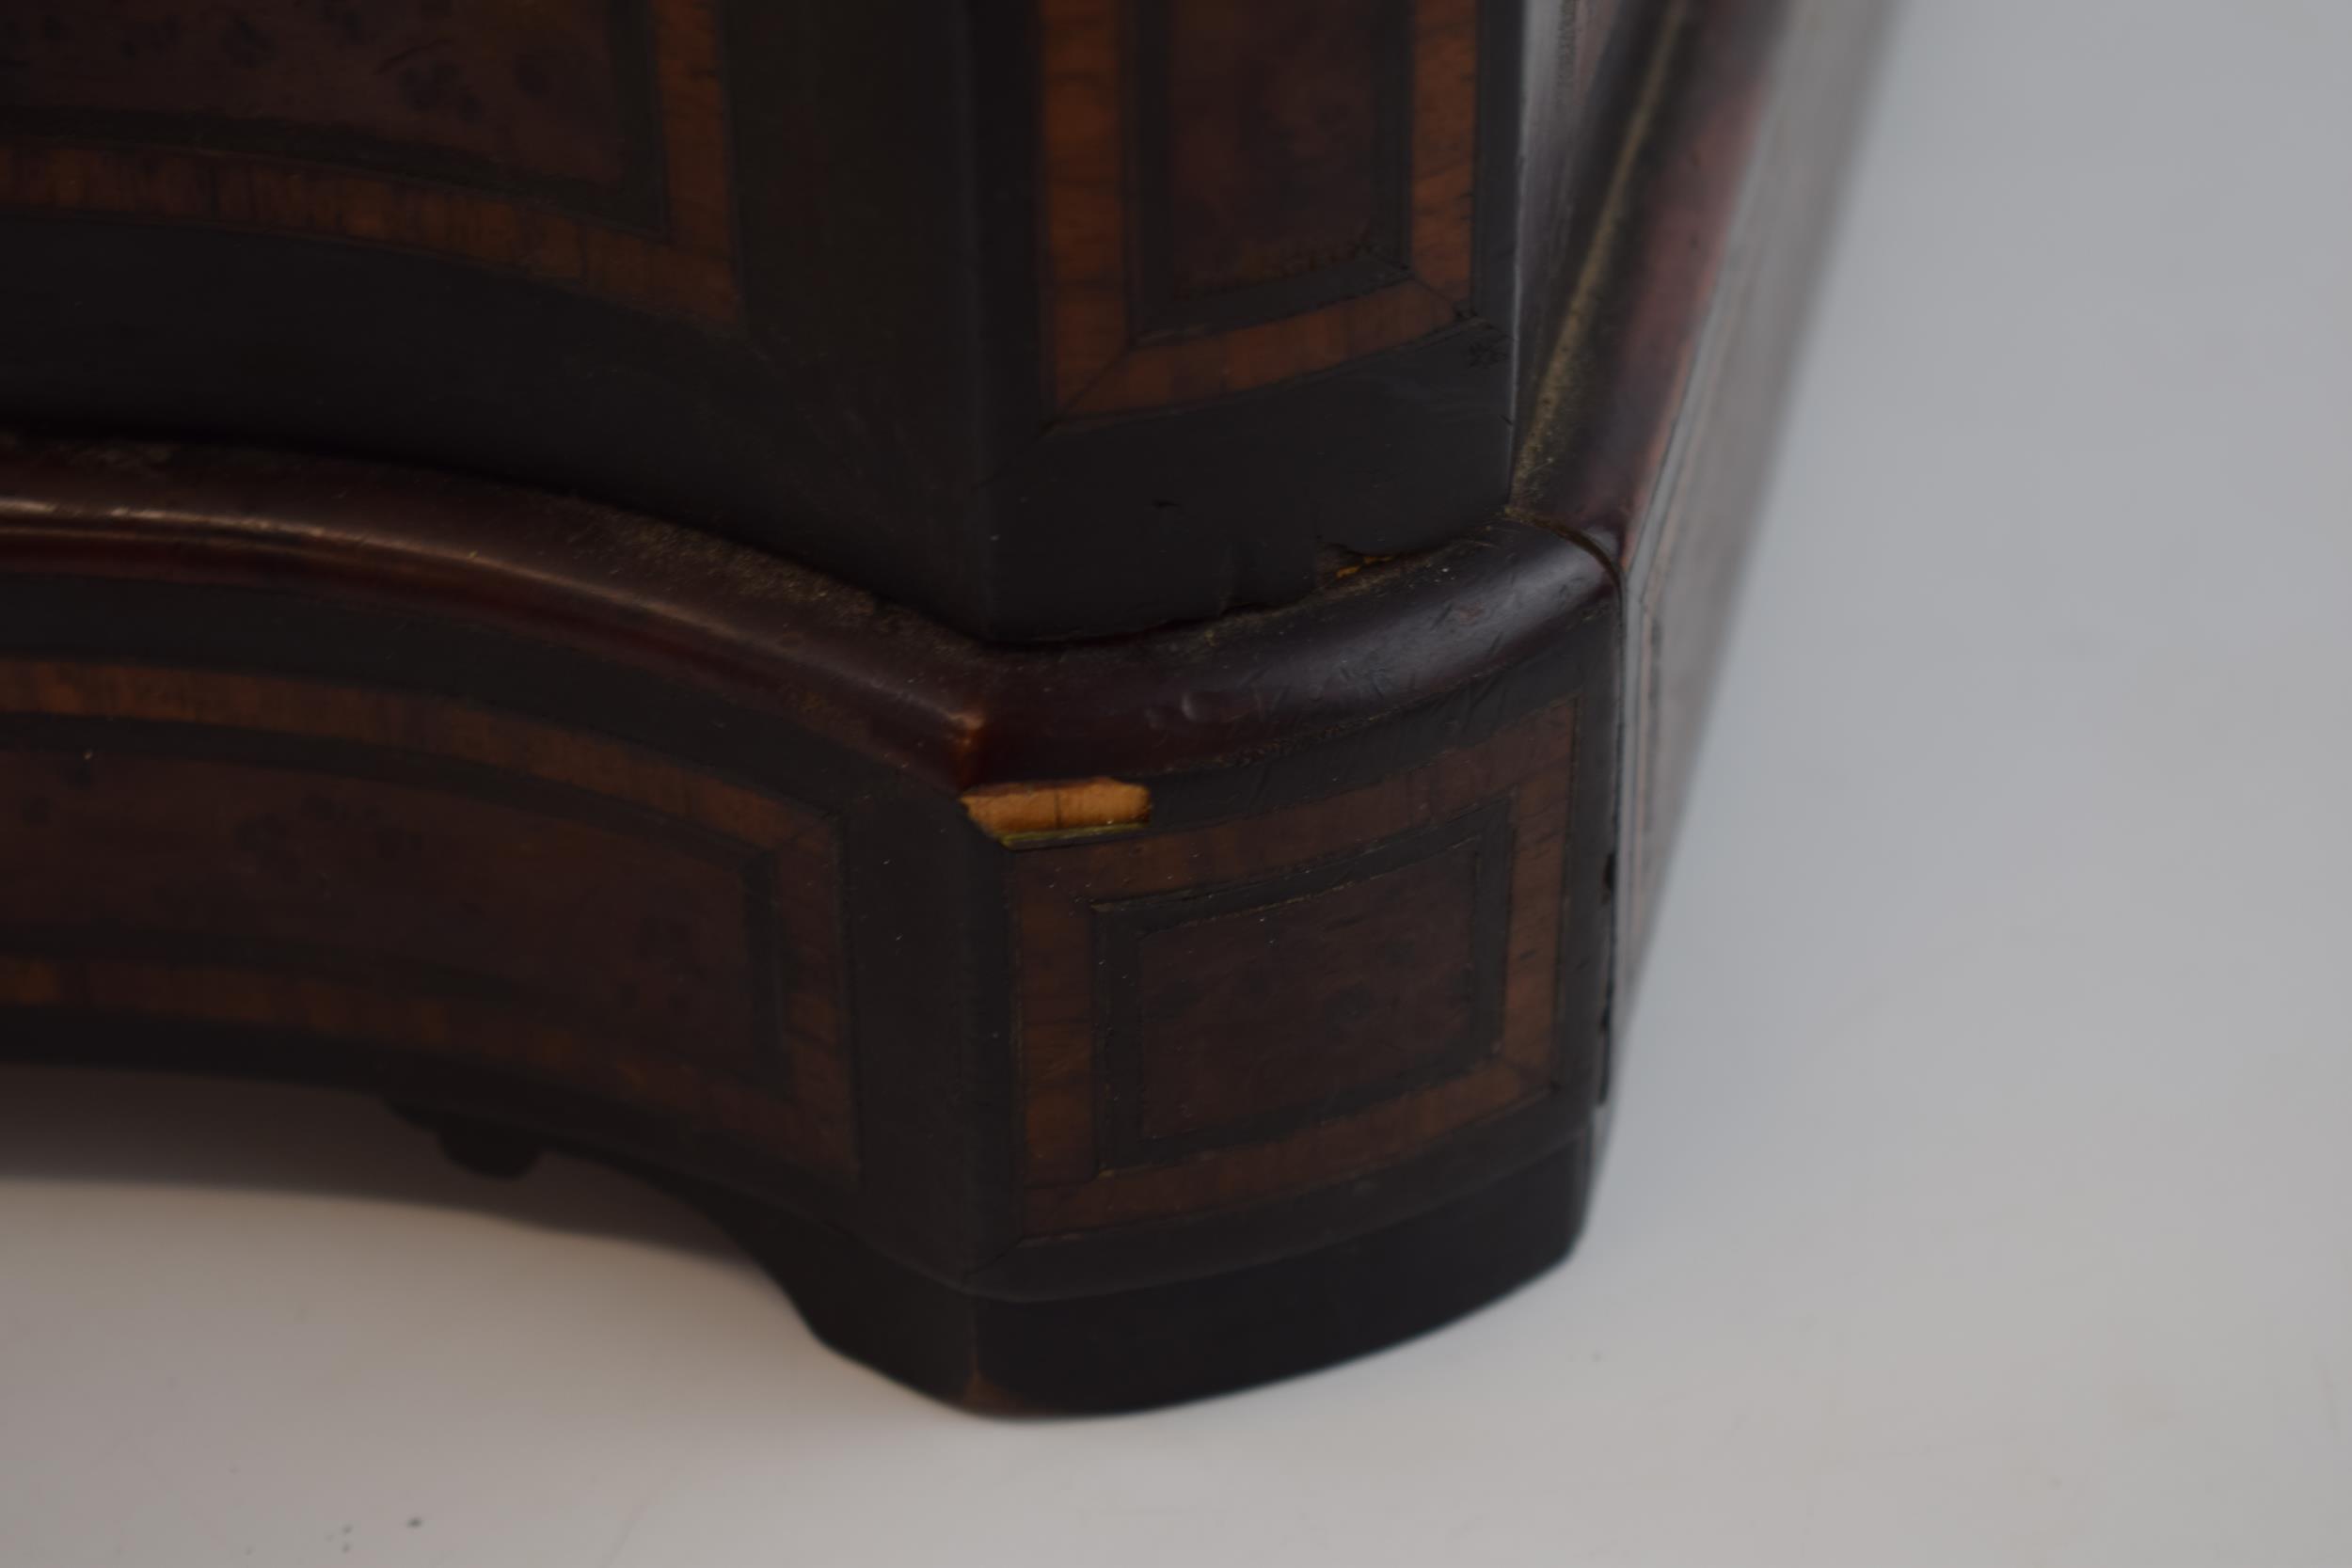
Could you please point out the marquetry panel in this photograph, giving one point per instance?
(577, 141)
(1236, 194)
(1198, 983)
(1252, 1009)
(421, 873)
(1269, 177)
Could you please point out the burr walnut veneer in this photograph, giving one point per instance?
(1039, 651)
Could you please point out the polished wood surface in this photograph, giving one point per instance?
(1302, 196)
(1074, 1026)
(1049, 318)
(569, 144)
(616, 839)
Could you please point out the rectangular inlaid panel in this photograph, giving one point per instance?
(536, 899)
(1270, 157)
(577, 141)
(1236, 194)
(1198, 1027)
(1183, 969)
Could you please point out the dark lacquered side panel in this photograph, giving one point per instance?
(1698, 302)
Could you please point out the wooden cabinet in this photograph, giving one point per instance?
(1042, 652)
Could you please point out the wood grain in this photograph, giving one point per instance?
(1060, 894)
(1314, 125)
(1069, 1026)
(305, 132)
(1273, 139)
(290, 854)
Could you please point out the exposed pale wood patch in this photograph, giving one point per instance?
(1069, 805)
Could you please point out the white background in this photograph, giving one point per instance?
(1982, 1187)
